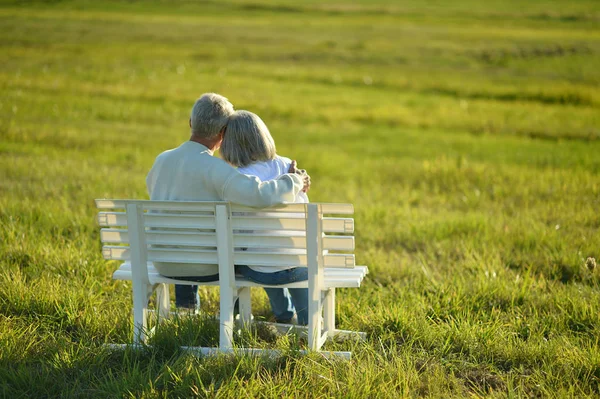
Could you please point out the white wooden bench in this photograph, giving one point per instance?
(140, 232)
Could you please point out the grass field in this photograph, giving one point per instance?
(466, 134)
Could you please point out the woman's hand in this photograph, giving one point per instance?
(302, 172)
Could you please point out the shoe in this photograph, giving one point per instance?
(293, 320)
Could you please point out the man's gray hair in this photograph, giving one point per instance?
(247, 140)
(210, 115)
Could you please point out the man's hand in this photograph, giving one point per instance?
(305, 177)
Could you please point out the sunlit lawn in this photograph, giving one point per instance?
(467, 135)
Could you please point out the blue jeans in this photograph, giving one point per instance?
(283, 300)
(186, 296)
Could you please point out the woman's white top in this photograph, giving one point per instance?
(265, 171)
(271, 170)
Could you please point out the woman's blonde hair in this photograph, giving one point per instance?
(247, 140)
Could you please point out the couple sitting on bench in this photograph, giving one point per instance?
(190, 172)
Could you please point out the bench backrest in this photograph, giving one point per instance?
(224, 234)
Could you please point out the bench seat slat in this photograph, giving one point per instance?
(158, 279)
(331, 279)
(330, 271)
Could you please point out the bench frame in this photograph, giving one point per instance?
(321, 298)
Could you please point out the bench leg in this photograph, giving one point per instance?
(163, 301)
(245, 305)
(329, 312)
(314, 318)
(141, 296)
(227, 300)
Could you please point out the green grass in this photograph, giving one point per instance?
(466, 134)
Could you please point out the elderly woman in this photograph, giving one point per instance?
(248, 145)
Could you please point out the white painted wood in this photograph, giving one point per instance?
(303, 330)
(204, 351)
(209, 257)
(226, 276)
(259, 352)
(295, 240)
(206, 222)
(139, 271)
(162, 237)
(328, 208)
(333, 272)
(322, 339)
(163, 302)
(178, 255)
(329, 311)
(270, 240)
(245, 305)
(313, 235)
(195, 206)
(330, 225)
(337, 225)
(192, 234)
(346, 282)
(161, 220)
(296, 260)
(351, 279)
(338, 243)
(347, 334)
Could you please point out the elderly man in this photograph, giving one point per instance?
(191, 173)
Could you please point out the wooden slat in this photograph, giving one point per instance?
(186, 221)
(345, 271)
(209, 257)
(201, 239)
(115, 236)
(188, 206)
(156, 278)
(265, 241)
(267, 223)
(178, 255)
(331, 271)
(257, 240)
(111, 204)
(352, 277)
(188, 238)
(323, 338)
(160, 220)
(338, 243)
(330, 225)
(158, 237)
(338, 225)
(283, 259)
(326, 208)
(183, 238)
(112, 219)
(281, 208)
(337, 209)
